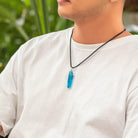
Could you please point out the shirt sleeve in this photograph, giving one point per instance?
(131, 128)
(11, 81)
(8, 95)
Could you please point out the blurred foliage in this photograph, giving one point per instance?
(21, 20)
(131, 5)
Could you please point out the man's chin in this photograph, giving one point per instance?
(67, 17)
(64, 15)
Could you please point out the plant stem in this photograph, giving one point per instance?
(45, 11)
(34, 5)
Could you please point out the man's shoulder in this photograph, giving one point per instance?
(45, 39)
(132, 45)
(134, 39)
(130, 42)
(51, 35)
(41, 45)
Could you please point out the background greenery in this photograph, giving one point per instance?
(21, 20)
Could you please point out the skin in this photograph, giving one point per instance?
(1, 129)
(95, 21)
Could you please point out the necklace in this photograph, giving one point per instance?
(71, 76)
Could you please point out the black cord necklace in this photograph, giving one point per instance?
(71, 76)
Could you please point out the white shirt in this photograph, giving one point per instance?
(102, 103)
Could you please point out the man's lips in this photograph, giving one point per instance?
(62, 1)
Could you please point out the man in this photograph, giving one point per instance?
(99, 97)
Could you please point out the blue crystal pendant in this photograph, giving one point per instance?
(70, 79)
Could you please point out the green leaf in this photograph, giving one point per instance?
(27, 3)
(4, 12)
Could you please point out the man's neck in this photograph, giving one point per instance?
(97, 31)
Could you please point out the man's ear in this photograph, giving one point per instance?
(116, 0)
(113, 0)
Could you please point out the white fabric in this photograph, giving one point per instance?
(102, 103)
